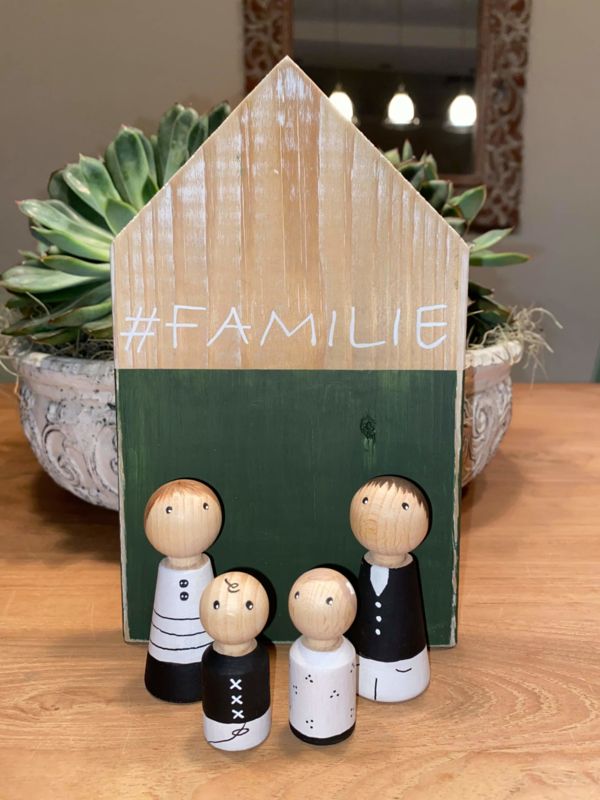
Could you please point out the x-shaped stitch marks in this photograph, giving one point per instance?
(235, 683)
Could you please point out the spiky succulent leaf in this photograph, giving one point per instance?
(149, 150)
(458, 224)
(470, 202)
(26, 327)
(100, 328)
(118, 214)
(198, 134)
(56, 337)
(57, 224)
(73, 245)
(39, 281)
(436, 192)
(407, 151)
(489, 239)
(217, 115)
(91, 182)
(162, 140)
(173, 141)
(487, 258)
(410, 170)
(80, 316)
(56, 215)
(476, 290)
(431, 170)
(77, 266)
(58, 189)
(393, 156)
(131, 166)
(86, 306)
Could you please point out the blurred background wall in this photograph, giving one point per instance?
(559, 221)
(71, 71)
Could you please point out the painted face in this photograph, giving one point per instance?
(389, 515)
(322, 604)
(234, 608)
(183, 518)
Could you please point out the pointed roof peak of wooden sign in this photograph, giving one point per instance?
(288, 241)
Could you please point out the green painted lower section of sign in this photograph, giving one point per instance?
(286, 450)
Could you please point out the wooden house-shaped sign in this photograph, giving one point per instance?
(289, 321)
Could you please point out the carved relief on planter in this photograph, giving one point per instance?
(68, 415)
(487, 404)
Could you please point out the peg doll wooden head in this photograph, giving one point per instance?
(182, 519)
(390, 517)
(322, 605)
(234, 609)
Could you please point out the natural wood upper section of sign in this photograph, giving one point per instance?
(288, 215)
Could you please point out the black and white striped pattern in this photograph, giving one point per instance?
(176, 633)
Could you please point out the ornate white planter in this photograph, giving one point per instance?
(68, 415)
(488, 403)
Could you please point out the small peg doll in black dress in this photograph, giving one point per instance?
(235, 668)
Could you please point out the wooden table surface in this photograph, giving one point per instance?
(512, 711)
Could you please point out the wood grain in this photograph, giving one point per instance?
(234, 609)
(288, 208)
(512, 711)
(322, 606)
(181, 520)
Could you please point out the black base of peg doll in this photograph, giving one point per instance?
(175, 683)
(330, 740)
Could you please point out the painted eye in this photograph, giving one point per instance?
(249, 605)
(365, 500)
(296, 595)
(168, 509)
(205, 506)
(329, 601)
(216, 604)
(405, 506)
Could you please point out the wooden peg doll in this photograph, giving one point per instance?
(390, 516)
(322, 605)
(182, 519)
(235, 667)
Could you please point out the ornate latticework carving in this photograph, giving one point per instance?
(267, 36)
(504, 32)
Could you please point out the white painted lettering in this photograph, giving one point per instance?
(235, 325)
(353, 341)
(332, 328)
(276, 318)
(177, 325)
(396, 328)
(420, 325)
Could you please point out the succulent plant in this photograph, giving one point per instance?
(484, 313)
(61, 292)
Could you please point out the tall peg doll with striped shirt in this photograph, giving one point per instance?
(182, 519)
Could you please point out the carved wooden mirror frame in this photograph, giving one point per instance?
(503, 40)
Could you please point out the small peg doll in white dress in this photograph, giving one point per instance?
(390, 516)
(182, 519)
(322, 674)
(235, 667)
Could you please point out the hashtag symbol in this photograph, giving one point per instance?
(135, 332)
